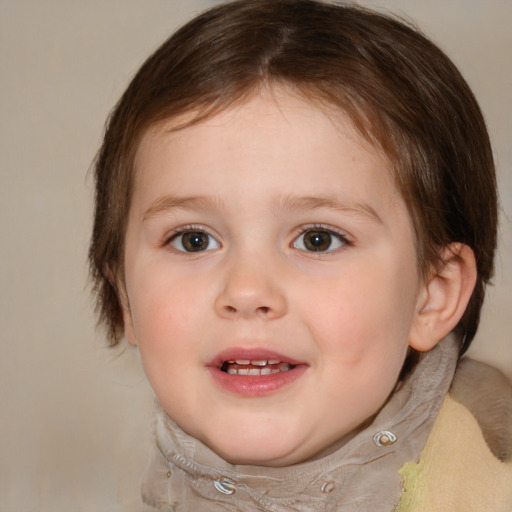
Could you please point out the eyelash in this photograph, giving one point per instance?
(189, 229)
(338, 235)
(199, 230)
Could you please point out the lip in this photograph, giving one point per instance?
(254, 386)
(234, 354)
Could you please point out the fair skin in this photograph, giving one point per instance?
(271, 280)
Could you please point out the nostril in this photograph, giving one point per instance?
(245, 303)
(264, 310)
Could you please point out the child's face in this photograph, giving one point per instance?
(270, 233)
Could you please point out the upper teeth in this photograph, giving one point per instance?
(263, 366)
(255, 362)
(252, 371)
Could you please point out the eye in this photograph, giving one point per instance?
(194, 241)
(319, 240)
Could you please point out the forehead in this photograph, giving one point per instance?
(266, 111)
(273, 136)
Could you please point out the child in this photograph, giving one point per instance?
(295, 223)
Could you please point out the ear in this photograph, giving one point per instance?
(117, 282)
(129, 331)
(444, 297)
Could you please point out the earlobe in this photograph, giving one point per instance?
(444, 297)
(117, 283)
(129, 331)
(110, 275)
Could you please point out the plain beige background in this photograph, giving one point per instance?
(75, 417)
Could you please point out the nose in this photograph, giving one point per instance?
(251, 289)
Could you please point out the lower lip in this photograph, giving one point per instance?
(259, 385)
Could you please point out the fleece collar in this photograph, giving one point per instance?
(363, 474)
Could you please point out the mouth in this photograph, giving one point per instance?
(253, 373)
(255, 367)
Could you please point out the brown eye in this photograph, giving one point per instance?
(318, 240)
(194, 241)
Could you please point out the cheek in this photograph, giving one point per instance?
(366, 309)
(162, 310)
(166, 332)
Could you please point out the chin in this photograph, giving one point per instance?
(255, 437)
(261, 452)
(259, 459)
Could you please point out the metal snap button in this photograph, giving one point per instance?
(327, 487)
(225, 486)
(384, 438)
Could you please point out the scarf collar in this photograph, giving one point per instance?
(360, 475)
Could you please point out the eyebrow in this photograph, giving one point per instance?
(295, 203)
(168, 203)
(282, 203)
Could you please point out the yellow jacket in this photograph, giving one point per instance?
(457, 469)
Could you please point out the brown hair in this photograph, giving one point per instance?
(401, 91)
